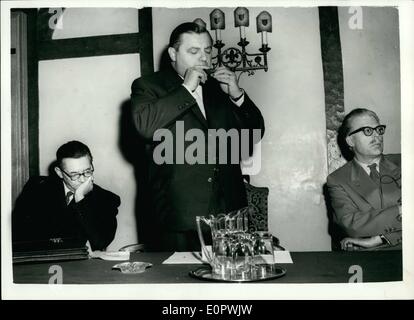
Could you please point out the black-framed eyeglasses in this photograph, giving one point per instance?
(76, 176)
(368, 131)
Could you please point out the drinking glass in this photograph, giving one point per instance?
(263, 253)
(242, 252)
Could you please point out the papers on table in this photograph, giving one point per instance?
(184, 258)
(110, 255)
(195, 258)
(283, 257)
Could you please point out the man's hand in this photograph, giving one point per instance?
(352, 244)
(228, 82)
(194, 75)
(84, 189)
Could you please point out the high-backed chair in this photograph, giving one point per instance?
(258, 207)
(257, 199)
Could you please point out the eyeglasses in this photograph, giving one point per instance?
(76, 176)
(368, 131)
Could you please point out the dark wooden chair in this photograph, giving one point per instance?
(257, 199)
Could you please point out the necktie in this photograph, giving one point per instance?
(374, 174)
(68, 196)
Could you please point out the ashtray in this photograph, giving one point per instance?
(132, 267)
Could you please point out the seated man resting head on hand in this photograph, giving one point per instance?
(68, 205)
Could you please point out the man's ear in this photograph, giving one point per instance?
(349, 141)
(59, 172)
(172, 53)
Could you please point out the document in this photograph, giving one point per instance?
(184, 258)
(110, 255)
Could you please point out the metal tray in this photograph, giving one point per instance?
(205, 273)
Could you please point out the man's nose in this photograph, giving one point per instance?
(376, 134)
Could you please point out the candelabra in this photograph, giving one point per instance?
(234, 58)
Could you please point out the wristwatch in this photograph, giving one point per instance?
(383, 239)
(239, 97)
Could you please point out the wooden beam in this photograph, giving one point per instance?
(145, 30)
(33, 94)
(89, 46)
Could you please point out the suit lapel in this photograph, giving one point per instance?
(389, 168)
(363, 184)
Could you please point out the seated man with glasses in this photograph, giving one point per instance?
(365, 193)
(68, 205)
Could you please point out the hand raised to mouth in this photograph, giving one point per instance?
(194, 76)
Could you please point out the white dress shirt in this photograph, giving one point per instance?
(66, 192)
(365, 165)
(198, 96)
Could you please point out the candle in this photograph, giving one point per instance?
(242, 32)
(264, 37)
(218, 35)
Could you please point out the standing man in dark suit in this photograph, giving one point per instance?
(68, 205)
(366, 192)
(184, 100)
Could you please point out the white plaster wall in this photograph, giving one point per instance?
(371, 59)
(87, 22)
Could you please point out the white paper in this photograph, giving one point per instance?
(283, 257)
(184, 258)
(110, 255)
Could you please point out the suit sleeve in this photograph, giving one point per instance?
(24, 224)
(154, 109)
(97, 215)
(248, 115)
(394, 237)
(358, 223)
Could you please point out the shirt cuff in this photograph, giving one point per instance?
(188, 89)
(384, 239)
(239, 101)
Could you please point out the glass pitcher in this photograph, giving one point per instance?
(231, 250)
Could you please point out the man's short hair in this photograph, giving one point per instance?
(346, 123)
(186, 27)
(72, 149)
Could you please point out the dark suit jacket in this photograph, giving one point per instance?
(41, 213)
(356, 200)
(180, 192)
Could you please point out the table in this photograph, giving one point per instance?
(308, 267)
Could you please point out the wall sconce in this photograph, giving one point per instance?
(238, 59)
